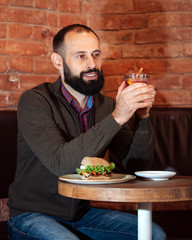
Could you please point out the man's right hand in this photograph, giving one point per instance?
(131, 98)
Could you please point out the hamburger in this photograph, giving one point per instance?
(94, 168)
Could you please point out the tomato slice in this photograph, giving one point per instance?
(94, 173)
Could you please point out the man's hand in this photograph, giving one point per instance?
(144, 112)
(137, 97)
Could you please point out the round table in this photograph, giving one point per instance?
(144, 192)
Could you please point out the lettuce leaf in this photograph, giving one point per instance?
(98, 169)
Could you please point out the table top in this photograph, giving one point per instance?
(178, 188)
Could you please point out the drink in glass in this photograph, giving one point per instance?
(131, 78)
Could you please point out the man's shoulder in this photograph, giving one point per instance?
(42, 91)
(43, 88)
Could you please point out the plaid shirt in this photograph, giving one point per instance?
(83, 114)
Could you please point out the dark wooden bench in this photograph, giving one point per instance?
(173, 151)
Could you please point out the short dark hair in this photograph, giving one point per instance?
(59, 37)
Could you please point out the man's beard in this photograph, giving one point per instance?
(89, 88)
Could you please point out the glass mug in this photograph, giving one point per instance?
(131, 78)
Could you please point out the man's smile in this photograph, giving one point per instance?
(90, 75)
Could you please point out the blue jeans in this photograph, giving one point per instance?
(96, 224)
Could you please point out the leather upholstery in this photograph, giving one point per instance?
(173, 147)
(8, 150)
(173, 150)
(173, 137)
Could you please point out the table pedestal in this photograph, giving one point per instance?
(144, 221)
(178, 188)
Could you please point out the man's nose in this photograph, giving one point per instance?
(90, 63)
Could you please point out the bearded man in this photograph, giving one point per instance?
(59, 124)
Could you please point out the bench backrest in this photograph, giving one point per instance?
(173, 136)
(8, 149)
(173, 147)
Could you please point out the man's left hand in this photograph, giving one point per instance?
(144, 112)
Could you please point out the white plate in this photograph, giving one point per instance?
(115, 178)
(155, 175)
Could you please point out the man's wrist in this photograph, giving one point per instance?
(117, 119)
(142, 116)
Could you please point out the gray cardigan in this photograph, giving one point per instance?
(50, 144)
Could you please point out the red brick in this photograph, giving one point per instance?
(117, 67)
(32, 80)
(43, 66)
(166, 81)
(113, 82)
(111, 51)
(21, 64)
(72, 6)
(67, 19)
(131, 50)
(148, 5)
(3, 99)
(3, 64)
(159, 40)
(2, 30)
(186, 19)
(114, 37)
(47, 33)
(52, 19)
(51, 4)
(187, 50)
(19, 31)
(133, 21)
(181, 65)
(26, 3)
(10, 14)
(4, 84)
(164, 20)
(103, 22)
(37, 33)
(186, 34)
(14, 80)
(13, 98)
(167, 50)
(159, 35)
(187, 81)
(173, 97)
(21, 48)
(153, 65)
(105, 7)
(41, 32)
(5, 2)
(48, 45)
(45, 36)
(163, 5)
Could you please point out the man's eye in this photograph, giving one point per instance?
(96, 55)
(81, 56)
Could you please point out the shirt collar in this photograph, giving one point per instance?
(70, 99)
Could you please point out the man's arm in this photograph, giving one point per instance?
(58, 149)
(134, 147)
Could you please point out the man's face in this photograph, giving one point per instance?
(82, 63)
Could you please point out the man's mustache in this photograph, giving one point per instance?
(90, 70)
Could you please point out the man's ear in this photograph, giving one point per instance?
(57, 61)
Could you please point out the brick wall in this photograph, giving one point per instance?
(153, 34)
